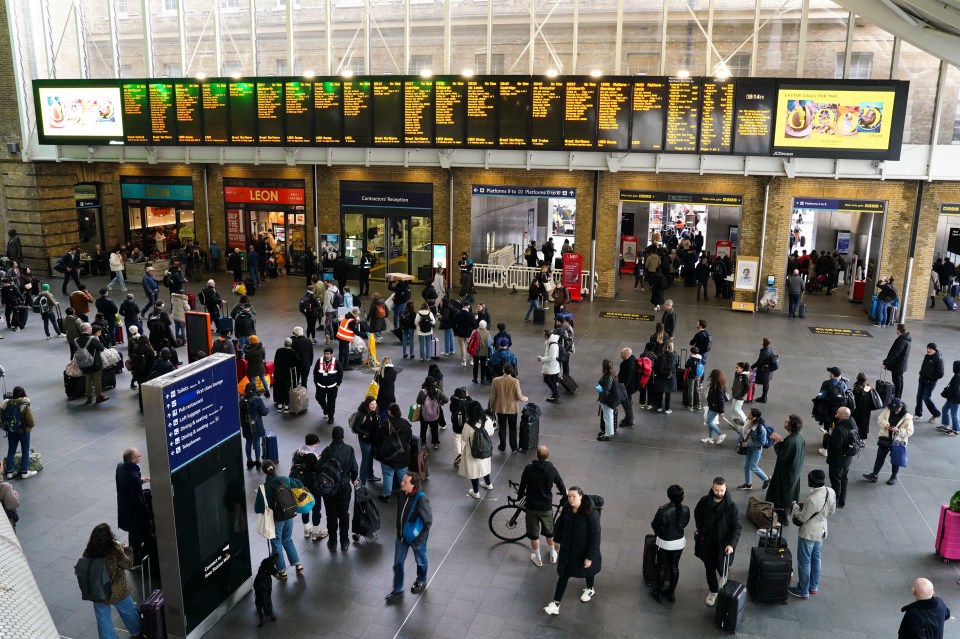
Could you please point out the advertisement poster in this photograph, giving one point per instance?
(236, 238)
(830, 119)
(81, 112)
(572, 270)
(628, 252)
(803, 231)
(843, 242)
(746, 274)
(724, 248)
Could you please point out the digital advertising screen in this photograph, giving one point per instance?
(78, 114)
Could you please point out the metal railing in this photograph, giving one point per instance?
(496, 276)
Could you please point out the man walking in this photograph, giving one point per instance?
(109, 309)
(133, 515)
(718, 532)
(628, 377)
(841, 449)
(69, 265)
(536, 485)
(337, 504)
(253, 266)
(414, 518)
(931, 370)
(812, 516)
(794, 291)
(151, 288)
(896, 359)
(327, 377)
(925, 617)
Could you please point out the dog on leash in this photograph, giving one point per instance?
(263, 588)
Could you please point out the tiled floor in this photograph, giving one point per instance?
(481, 588)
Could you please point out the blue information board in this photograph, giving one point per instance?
(200, 412)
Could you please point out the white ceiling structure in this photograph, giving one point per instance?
(930, 25)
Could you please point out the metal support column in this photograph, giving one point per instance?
(802, 37)
(576, 36)
(81, 38)
(489, 36)
(147, 37)
(663, 38)
(291, 42)
(114, 41)
(252, 28)
(217, 45)
(329, 33)
(533, 37)
(895, 58)
(708, 55)
(406, 37)
(619, 39)
(848, 47)
(45, 27)
(756, 40)
(366, 38)
(447, 34)
(182, 31)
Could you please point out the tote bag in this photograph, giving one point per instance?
(266, 527)
(898, 454)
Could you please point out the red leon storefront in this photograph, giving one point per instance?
(267, 208)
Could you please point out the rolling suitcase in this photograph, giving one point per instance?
(21, 316)
(529, 427)
(731, 602)
(435, 348)
(298, 399)
(569, 385)
(948, 534)
(418, 457)
(801, 307)
(954, 290)
(650, 560)
(884, 388)
(75, 387)
(270, 449)
(539, 316)
(680, 369)
(108, 379)
(771, 567)
(152, 623)
(950, 302)
(753, 383)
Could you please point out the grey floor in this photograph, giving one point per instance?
(481, 588)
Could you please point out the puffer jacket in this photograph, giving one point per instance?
(551, 353)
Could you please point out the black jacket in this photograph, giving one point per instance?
(344, 455)
(952, 391)
(388, 387)
(463, 323)
(403, 428)
(924, 619)
(669, 321)
(702, 341)
(628, 374)
(716, 397)
(717, 530)
(763, 365)
(132, 513)
(932, 367)
(668, 524)
(303, 347)
(424, 512)
(838, 442)
(579, 537)
(536, 484)
(108, 307)
(899, 353)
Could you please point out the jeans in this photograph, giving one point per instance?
(407, 340)
(253, 447)
(881, 457)
(924, 389)
(703, 286)
(243, 341)
(151, 300)
(794, 304)
(952, 410)
(21, 438)
(180, 330)
(425, 346)
(284, 541)
(882, 313)
(366, 462)
(117, 279)
(713, 421)
(534, 305)
(751, 466)
(128, 614)
(607, 413)
(50, 318)
(400, 556)
(475, 483)
(738, 411)
(330, 328)
(255, 276)
(388, 474)
(808, 565)
(448, 343)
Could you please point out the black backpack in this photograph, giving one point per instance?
(424, 324)
(304, 467)
(329, 477)
(284, 503)
(306, 305)
(94, 579)
(664, 365)
(154, 323)
(244, 323)
(854, 446)
(481, 446)
(248, 419)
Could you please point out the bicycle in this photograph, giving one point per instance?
(508, 522)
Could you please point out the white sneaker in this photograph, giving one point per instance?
(473, 493)
(721, 438)
(587, 594)
(822, 451)
(933, 420)
(711, 599)
(10, 475)
(28, 474)
(552, 608)
(707, 440)
(535, 558)
(487, 486)
(307, 529)
(553, 555)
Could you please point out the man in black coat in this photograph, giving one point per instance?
(669, 319)
(924, 618)
(211, 301)
(628, 377)
(303, 347)
(133, 515)
(341, 271)
(718, 532)
(108, 307)
(841, 449)
(703, 276)
(931, 371)
(702, 341)
(337, 504)
(896, 359)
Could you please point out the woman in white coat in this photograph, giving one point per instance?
(470, 467)
(896, 427)
(116, 267)
(424, 323)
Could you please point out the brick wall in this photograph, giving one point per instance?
(934, 194)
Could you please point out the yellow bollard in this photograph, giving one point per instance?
(372, 353)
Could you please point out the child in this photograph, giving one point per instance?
(741, 384)
(692, 375)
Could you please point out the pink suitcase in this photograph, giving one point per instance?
(948, 534)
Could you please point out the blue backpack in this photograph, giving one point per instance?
(12, 418)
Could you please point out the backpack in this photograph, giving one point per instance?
(481, 447)
(430, 409)
(854, 445)
(12, 418)
(244, 323)
(380, 311)
(83, 356)
(202, 297)
(168, 280)
(284, 502)
(566, 343)
(248, 419)
(563, 354)
(94, 579)
(329, 477)
(664, 366)
(774, 363)
(154, 323)
(303, 467)
(306, 305)
(41, 304)
(719, 270)
(502, 342)
(769, 443)
(473, 345)
(698, 369)
(337, 299)
(644, 368)
(424, 324)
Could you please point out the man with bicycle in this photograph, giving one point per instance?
(536, 484)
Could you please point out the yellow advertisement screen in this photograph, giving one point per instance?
(833, 119)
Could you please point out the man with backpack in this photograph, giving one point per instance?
(332, 300)
(843, 444)
(401, 295)
(719, 273)
(337, 464)
(309, 307)
(245, 325)
(16, 418)
(414, 519)
(211, 300)
(276, 492)
(566, 343)
(88, 354)
(628, 377)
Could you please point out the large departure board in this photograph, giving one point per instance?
(450, 115)
(742, 116)
(513, 111)
(297, 113)
(546, 114)
(189, 120)
(270, 113)
(481, 118)
(418, 112)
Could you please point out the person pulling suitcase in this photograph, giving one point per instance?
(718, 525)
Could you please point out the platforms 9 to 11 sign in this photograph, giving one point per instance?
(740, 116)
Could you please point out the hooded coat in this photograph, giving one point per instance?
(899, 353)
(579, 537)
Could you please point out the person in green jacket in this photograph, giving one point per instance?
(283, 540)
(784, 487)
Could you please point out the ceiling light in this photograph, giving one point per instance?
(426, 73)
(683, 74)
(308, 73)
(551, 73)
(596, 73)
(467, 73)
(236, 75)
(721, 72)
(347, 73)
(201, 76)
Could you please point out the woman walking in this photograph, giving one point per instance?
(668, 525)
(425, 322)
(951, 395)
(752, 442)
(608, 399)
(741, 384)
(577, 534)
(392, 449)
(408, 324)
(119, 558)
(765, 365)
(470, 467)
(896, 427)
(665, 377)
(716, 395)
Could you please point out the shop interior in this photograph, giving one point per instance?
(400, 243)
(947, 247)
(505, 221)
(159, 228)
(289, 230)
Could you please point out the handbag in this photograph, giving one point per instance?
(373, 389)
(305, 500)
(266, 527)
(945, 393)
(412, 527)
(875, 402)
(883, 441)
(413, 415)
(898, 454)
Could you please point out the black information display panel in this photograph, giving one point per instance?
(513, 111)
(450, 115)
(856, 119)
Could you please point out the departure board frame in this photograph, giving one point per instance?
(751, 121)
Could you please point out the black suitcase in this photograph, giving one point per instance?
(21, 315)
(650, 560)
(771, 567)
(569, 385)
(680, 369)
(529, 427)
(108, 379)
(539, 316)
(884, 389)
(75, 387)
(731, 603)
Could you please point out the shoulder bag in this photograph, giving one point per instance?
(413, 526)
(266, 527)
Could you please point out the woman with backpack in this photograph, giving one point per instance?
(425, 322)
(478, 347)
(391, 447)
(377, 316)
(477, 449)
(609, 397)
(458, 416)
(119, 559)
(252, 412)
(668, 525)
(407, 323)
(447, 311)
(766, 363)
(430, 399)
(437, 375)
(755, 437)
(645, 365)
(716, 397)
(277, 489)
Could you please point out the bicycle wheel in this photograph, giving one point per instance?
(508, 523)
